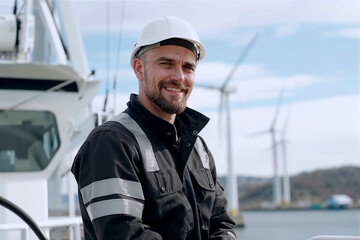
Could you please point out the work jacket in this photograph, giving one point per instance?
(141, 177)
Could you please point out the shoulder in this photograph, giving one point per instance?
(111, 129)
(110, 137)
(107, 148)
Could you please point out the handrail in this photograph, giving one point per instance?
(55, 223)
(332, 237)
(24, 216)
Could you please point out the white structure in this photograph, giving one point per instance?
(44, 109)
(339, 201)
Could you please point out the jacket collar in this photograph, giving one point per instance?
(188, 122)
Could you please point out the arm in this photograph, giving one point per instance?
(222, 226)
(111, 196)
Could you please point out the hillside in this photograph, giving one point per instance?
(306, 188)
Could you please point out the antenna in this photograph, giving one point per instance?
(118, 52)
(107, 46)
(112, 112)
(15, 8)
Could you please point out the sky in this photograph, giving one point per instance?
(310, 49)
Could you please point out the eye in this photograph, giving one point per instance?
(165, 64)
(189, 68)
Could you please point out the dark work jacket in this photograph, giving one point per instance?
(123, 195)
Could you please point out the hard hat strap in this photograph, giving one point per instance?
(172, 41)
(146, 48)
(182, 43)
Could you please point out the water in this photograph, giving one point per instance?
(298, 225)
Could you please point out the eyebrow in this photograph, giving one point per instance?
(160, 59)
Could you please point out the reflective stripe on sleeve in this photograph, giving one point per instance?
(146, 149)
(115, 206)
(199, 146)
(111, 186)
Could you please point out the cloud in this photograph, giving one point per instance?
(268, 88)
(321, 134)
(252, 82)
(286, 29)
(214, 73)
(352, 33)
(212, 17)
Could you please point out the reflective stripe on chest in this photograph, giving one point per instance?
(146, 149)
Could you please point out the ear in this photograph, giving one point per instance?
(138, 67)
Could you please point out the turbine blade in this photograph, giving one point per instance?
(207, 86)
(259, 133)
(221, 105)
(278, 107)
(240, 60)
(286, 123)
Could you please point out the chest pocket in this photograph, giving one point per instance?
(167, 209)
(204, 186)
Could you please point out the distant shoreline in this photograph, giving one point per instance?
(298, 209)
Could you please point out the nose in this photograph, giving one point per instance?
(178, 74)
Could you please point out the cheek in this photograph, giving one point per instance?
(151, 84)
(190, 81)
(157, 75)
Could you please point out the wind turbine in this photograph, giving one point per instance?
(286, 180)
(276, 180)
(225, 91)
(276, 184)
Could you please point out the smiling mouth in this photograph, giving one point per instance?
(173, 89)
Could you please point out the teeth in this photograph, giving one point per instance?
(174, 89)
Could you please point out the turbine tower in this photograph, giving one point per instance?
(286, 180)
(276, 183)
(276, 179)
(225, 91)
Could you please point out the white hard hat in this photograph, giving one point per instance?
(168, 31)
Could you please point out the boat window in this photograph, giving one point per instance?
(28, 140)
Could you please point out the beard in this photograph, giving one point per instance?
(175, 105)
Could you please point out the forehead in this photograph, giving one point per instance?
(173, 52)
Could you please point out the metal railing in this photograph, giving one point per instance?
(332, 237)
(55, 226)
(43, 228)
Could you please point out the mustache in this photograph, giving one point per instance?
(175, 85)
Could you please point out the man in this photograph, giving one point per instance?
(146, 174)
